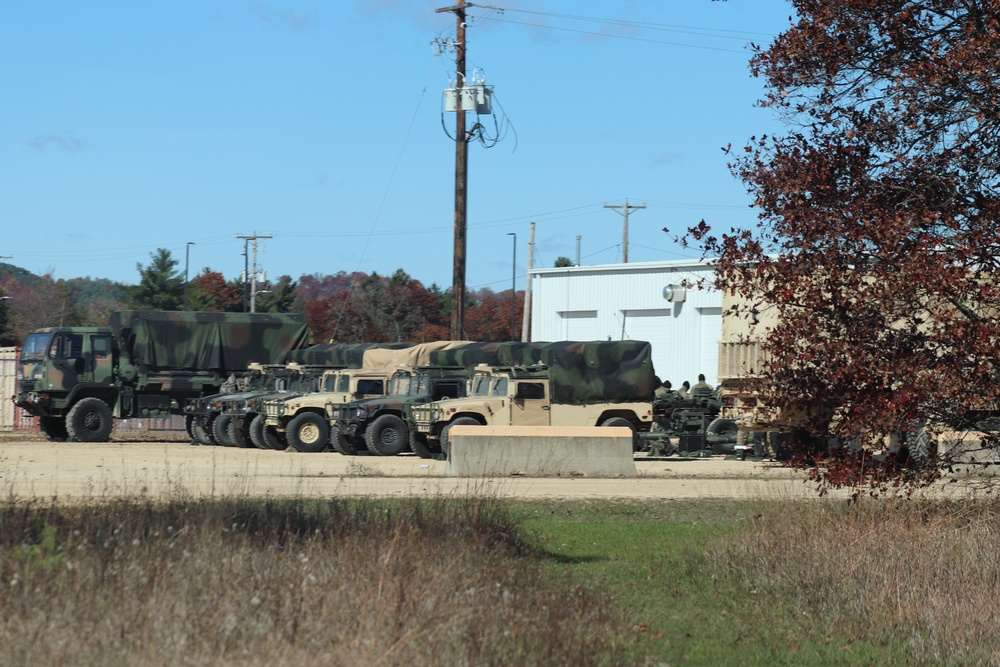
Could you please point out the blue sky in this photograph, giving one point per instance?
(130, 126)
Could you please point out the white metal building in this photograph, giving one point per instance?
(641, 301)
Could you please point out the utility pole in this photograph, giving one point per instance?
(526, 318)
(624, 214)
(461, 178)
(253, 275)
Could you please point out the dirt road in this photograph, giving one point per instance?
(170, 469)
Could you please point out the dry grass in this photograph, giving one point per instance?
(926, 574)
(341, 582)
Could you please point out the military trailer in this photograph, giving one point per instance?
(145, 364)
(568, 394)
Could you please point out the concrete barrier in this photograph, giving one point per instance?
(541, 451)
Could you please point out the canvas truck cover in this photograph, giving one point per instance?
(590, 372)
(467, 356)
(417, 355)
(194, 341)
(343, 355)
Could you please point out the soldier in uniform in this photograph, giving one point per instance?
(684, 391)
(702, 388)
(663, 389)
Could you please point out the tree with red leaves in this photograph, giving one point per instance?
(879, 221)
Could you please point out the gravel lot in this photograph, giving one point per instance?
(169, 469)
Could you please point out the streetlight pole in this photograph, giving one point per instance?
(187, 261)
(513, 288)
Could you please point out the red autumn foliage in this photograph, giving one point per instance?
(879, 222)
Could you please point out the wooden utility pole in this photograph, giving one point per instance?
(461, 178)
(526, 318)
(624, 214)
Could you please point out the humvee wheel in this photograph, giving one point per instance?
(89, 420)
(621, 421)
(387, 436)
(239, 431)
(418, 443)
(199, 432)
(446, 432)
(340, 443)
(257, 432)
(308, 432)
(220, 430)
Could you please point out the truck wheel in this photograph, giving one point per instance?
(189, 426)
(272, 439)
(621, 421)
(308, 432)
(724, 433)
(340, 443)
(239, 431)
(199, 432)
(89, 420)
(220, 430)
(446, 432)
(53, 428)
(780, 445)
(257, 432)
(387, 436)
(418, 443)
(208, 425)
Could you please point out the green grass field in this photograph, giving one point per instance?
(480, 581)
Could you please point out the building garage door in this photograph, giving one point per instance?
(579, 324)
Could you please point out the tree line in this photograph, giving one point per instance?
(340, 308)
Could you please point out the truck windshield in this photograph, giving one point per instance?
(481, 385)
(35, 346)
(500, 388)
(401, 385)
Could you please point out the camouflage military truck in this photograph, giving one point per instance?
(145, 364)
(587, 384)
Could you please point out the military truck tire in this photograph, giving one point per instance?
(257, 432)
(340, 443)
(199, 433)
(239, 431)
(779, 445)
(728, 430)
(189, 426)
(308, 432)
(621, 421)
(53, 428)
(418, 444)
(208, 429)
(922, 448)
(387, 436)
(220, 430)
(89, 421)
(446, 432)
(272, 439)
